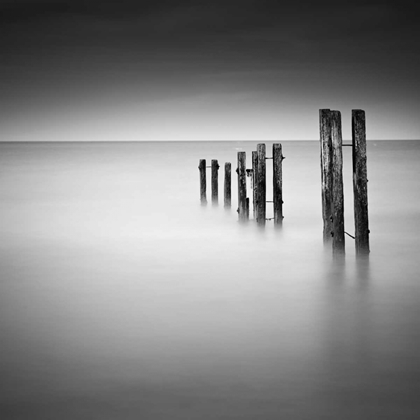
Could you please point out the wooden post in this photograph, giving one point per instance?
(277, 184)
(337, 209)
(242, 185)
(326, 169)
(361, 221)
(247, 208)
(203, 182)
(214, 181)
(254, 182)
(228, 184)
(261, 195)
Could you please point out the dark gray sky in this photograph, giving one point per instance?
(184, 70)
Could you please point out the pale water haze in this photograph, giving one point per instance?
(121, 297)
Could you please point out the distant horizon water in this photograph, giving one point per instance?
(121, 296)
(191, 141)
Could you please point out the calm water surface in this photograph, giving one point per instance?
(121, 297)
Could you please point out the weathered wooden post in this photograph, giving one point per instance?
(214, 181)
(228, 184)
(261, 194)
(361, 221)
(277, 184)
(326, 169)
(254, 183)
(337, 209)
(242, 185)
(203, 182)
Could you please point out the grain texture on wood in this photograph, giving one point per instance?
(228, 184)
(361, 219)
(326, 172)
(242, 185)
(254, 183)
(337, 209)
(214, 181)
(261, 185)
(277, 184)
(203, 182)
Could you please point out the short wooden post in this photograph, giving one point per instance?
(326, 170)
(337, 184)
(203, 182)
(254, 183)
(228, 184)
(214, 181)
(277, 184)
(261, 194)
(361, 220)
(242, 185)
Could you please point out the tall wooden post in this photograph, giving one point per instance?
(261, 195)
(254, 183)
(242, 185)
(277, 184)
(228, 184)
(326, 169)
(337, 209)
(203, 182)
(361, 221)
(214, 181)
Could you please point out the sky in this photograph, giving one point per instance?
(80, 70)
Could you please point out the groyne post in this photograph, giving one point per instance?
(228, 184)
(337, 210)
(261, 185)
(214, 181)
(203, 182)
(242, 186)
(277, 184)
(326, 171)
(361, 220)
(254, 183)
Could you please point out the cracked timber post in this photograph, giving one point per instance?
(277, 184)
(214, 181)
(326, 170)
(254, 183)
(261, 185)
(228, 184)
(337, 210)
(242, 186)
(202, 168)
(361, 220)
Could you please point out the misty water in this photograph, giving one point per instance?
(121, 297)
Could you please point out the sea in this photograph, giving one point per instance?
(123, 297)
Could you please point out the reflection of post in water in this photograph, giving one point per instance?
(336, 270)
(363, 270)
(347, 324)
